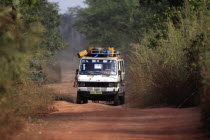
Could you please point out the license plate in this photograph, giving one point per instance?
(95, 92)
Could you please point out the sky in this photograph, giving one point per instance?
(64, 4)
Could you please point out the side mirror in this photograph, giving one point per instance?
(120, 71)
(77, 70)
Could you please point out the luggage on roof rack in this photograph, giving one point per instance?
(99, 52)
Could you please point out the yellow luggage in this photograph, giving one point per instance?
(83, 53)
(112, 51)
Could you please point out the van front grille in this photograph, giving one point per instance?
(94, 84)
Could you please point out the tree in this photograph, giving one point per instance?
(47, 14)
(26, 35)
(172, 3)
(117, 23)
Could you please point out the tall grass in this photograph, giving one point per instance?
(26, 100)
(168, 72)
(30, 99)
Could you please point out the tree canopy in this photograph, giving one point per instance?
(119, 23)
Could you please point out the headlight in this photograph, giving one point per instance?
(111, 84)
(81, 84)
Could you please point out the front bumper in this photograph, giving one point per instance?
(103, 89)
(105, 96)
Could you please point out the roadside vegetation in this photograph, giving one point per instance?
(169, 69)
(173, 69)
(168, 45)
(29, 40)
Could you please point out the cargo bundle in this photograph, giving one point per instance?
(99, 52)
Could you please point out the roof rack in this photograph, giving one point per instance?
(99, 52)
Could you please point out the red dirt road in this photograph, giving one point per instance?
(97, 121)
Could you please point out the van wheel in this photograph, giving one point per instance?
(85, 101)
(122, 100)
(116, 100)
(78, 99)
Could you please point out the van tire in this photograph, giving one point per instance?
(85, 101)
(78, 101)
(122, 99)
(116, 100)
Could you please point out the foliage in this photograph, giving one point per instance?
(17, 42)
(112, 22)
(47, 14)
(203, 43)
(168, 68)
(27, 36)
(51, 43)
(66, 27)
(120, 23)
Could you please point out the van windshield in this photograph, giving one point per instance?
(98, 67)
